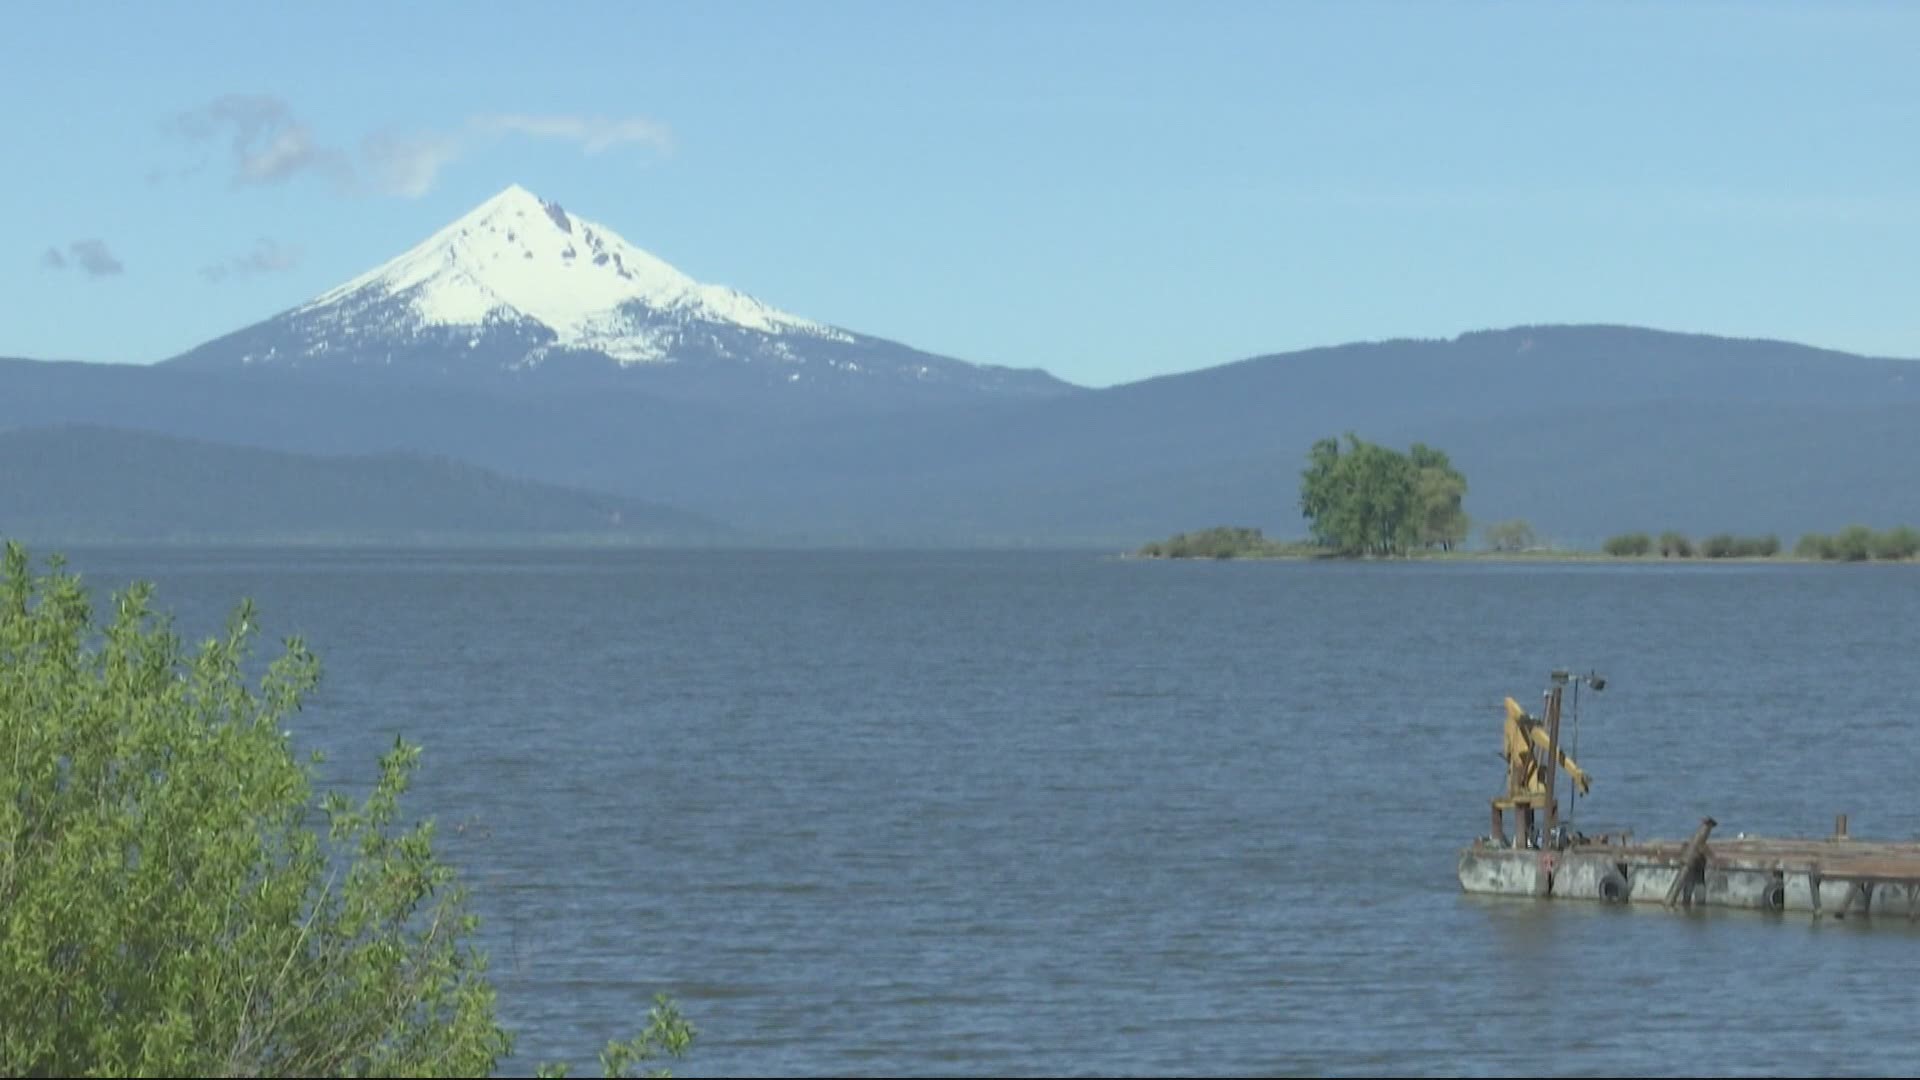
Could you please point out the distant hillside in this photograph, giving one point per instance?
(80, 483)
(1583, 430)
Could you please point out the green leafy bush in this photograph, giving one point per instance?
(1220, 542)
(1854, 543)
(1815, 546)
(1899, 543)
(1628, 545)
(173, 899)
(1674, 545)
(1858, 543)
(1728, 546)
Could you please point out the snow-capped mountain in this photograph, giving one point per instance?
(521, 286)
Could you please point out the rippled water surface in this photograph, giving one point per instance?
(1010, 813)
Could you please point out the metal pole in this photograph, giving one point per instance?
(1552, 765)
(1573, 789)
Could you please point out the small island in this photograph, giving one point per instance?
(1364, 500)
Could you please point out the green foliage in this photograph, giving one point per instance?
(1628, 545)
(1728, 546)
(1674, 545)
(1814, 546)
(1717, 546)
(1853, 544)
(1439, 490)
(173, 901)
(1898, 543)
(1858, 543)
(1220, 542)
(1370, 500)
(1510, 535)
(667, 1033)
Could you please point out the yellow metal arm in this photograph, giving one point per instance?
(1523, 742)
(1580, 778)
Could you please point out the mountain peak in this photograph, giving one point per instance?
(519, 259)
(518, 201)
(518, 284)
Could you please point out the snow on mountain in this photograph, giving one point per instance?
(520, 285)
(517, 257)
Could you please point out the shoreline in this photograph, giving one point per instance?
(1524, 556)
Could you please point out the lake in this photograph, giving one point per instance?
(1058, 813)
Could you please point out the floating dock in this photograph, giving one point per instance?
(1838, 876)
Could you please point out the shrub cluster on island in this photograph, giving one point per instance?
(1505, 539)
(1226, 542)
(1855, 543)
(1364, 499)
(1674, 545)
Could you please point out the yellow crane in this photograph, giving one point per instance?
(1531, 748)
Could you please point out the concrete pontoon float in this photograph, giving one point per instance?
(1836, 876)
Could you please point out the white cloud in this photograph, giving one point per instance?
(407, 165)
(266, 257)
(595, 134)
(52, 259)
(286, 152)
(267, 144)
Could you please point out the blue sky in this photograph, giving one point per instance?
(1110, 191)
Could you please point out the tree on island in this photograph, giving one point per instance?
(1510, 536)
(1370, 500)
(173, 899)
